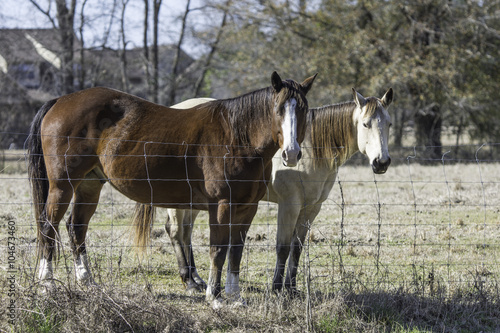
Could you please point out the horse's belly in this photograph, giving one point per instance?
(167, 181)
(164, 193)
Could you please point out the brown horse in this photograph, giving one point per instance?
(215, 156)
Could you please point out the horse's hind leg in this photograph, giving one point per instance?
(85, 202)
(179, 229)
(59, 197)
(187, 226)
(288, 214)
(65, 169)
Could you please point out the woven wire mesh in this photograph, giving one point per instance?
(425, 226)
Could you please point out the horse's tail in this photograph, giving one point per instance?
(143, 224)
(37, 171)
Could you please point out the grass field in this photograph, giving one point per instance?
(414, 250)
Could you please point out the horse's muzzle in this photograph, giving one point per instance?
(380, 166)
(291, 158)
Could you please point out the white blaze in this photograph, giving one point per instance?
(291, 148)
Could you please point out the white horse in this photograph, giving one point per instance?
(334, 133)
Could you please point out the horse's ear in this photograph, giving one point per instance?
(276, 81)
(387, 99)
(358, 98)
(307, 84)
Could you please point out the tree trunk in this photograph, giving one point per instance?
(428, 133)
(208, 60)
(65, 19)
(399, 127)
(145, 48)
(82, 73)
(175, 69)
(123, 50)
(155, 83)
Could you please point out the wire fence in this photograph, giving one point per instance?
(429, 226)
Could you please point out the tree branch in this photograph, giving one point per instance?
(45, 12)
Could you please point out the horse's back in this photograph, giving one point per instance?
(87, 113)
(104, 114)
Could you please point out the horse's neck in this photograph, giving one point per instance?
(338, 140)
(258, 138)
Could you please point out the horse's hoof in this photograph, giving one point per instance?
(217, 303)
(277, 289)
(87, 281)
(201, 284)
(293, 292)
(239, 303)
(48, 286)
(193, 288)
(89, 284)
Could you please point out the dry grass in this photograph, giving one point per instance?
(415, 250)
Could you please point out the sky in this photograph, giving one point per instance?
(23, 14)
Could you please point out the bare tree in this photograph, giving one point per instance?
(213, 50)
(102, 45)
(123, 48)
(146, 47)
(82, 72)
(156, 14)
(172, 87)
(65, 15)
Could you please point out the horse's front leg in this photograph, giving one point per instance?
(176, 230)
(238, 230)
(219, 218)
(85, 200)
(306, 218)
(287, 219)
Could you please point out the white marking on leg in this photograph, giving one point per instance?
(198, 279)
(82, 269)
(45, 269)
(233, 286)
(209, 294)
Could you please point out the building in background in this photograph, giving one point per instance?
(30, 67)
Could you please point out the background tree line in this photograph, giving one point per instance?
(440, 56)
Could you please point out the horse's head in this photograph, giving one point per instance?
(289, 116)
(372, 124)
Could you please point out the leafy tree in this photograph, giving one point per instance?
(477, 82)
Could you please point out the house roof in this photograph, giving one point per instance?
(35, 45)
(31, 46)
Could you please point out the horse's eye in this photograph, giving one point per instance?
(390, 124)
(365, 125)
(281, 110)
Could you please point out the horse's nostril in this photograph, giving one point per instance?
(284, 155)
(299, 156)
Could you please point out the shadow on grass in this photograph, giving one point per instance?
(403, 312)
